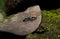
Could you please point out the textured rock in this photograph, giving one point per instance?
(23, 23)
(1, 16)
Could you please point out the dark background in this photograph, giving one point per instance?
(44, 5)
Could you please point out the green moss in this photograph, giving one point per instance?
(2, 4)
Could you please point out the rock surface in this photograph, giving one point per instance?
(24, 22)
(1, 16)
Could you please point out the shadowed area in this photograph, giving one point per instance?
(49, 4)
(44, 4)
(8, 35)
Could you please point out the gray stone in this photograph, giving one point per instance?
(1, 16)
(23, 23)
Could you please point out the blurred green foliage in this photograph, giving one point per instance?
(2, 2)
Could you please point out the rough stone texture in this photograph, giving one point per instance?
(1, 16)
(16, 25)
